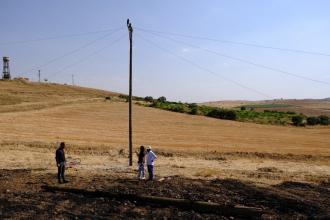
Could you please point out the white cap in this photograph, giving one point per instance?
(149, 148)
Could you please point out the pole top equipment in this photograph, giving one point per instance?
(129, 26)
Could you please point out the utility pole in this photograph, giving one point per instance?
(72, 79)
(39, 75)
(130, 31)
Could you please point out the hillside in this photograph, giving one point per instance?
(309, 107)
(20, 95)
(82, 116)
(199, 158)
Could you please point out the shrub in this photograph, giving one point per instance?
(290, 113)
(137, 98)
(126, 97)
(205, 110)
(231, 115)
(216, 113)
(158, 104)
(243, 108)
(123, 96)
(148, 99)
(194, 110)
(324, 120)
(161, 99)
(192, 105)
(297, 120)
(222, 114)
(313, 120)
(177, 108)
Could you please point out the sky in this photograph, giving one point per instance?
(89, 39)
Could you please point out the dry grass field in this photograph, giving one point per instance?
(309, 107)
(232, 158)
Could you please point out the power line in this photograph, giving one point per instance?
(203, 68)
(73, 51)
(239, 43)
(86, 57)
(60, 36)
(245, 61)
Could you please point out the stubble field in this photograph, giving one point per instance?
(282, 170)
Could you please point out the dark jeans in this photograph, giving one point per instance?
(151, 172)
(60, 172)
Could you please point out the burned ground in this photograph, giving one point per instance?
(22, 197)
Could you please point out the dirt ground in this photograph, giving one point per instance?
(23, 198)
(282, 186)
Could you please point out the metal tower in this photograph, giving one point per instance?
(6, 71)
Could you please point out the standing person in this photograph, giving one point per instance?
(151, 156)
(141, 162)
(60, 162)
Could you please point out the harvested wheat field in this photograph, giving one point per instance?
(249, 170)
(310, 107)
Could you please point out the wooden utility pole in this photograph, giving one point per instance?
(72, 79)
(130, 31)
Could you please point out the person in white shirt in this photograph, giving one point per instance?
(151, 156)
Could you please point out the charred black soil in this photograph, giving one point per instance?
(22, 197)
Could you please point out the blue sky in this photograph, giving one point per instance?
(96, 62)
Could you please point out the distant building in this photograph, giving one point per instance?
(21, 79)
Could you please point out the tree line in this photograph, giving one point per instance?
(242, 114)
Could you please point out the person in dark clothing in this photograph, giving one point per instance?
(141, 162)
(60, 162)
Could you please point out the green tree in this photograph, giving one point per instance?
(161, 99)
(324, 120)
(177, 107)
(222, 114)
(313, 120)
(297, 120)
(231, 115)
(148, 99)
